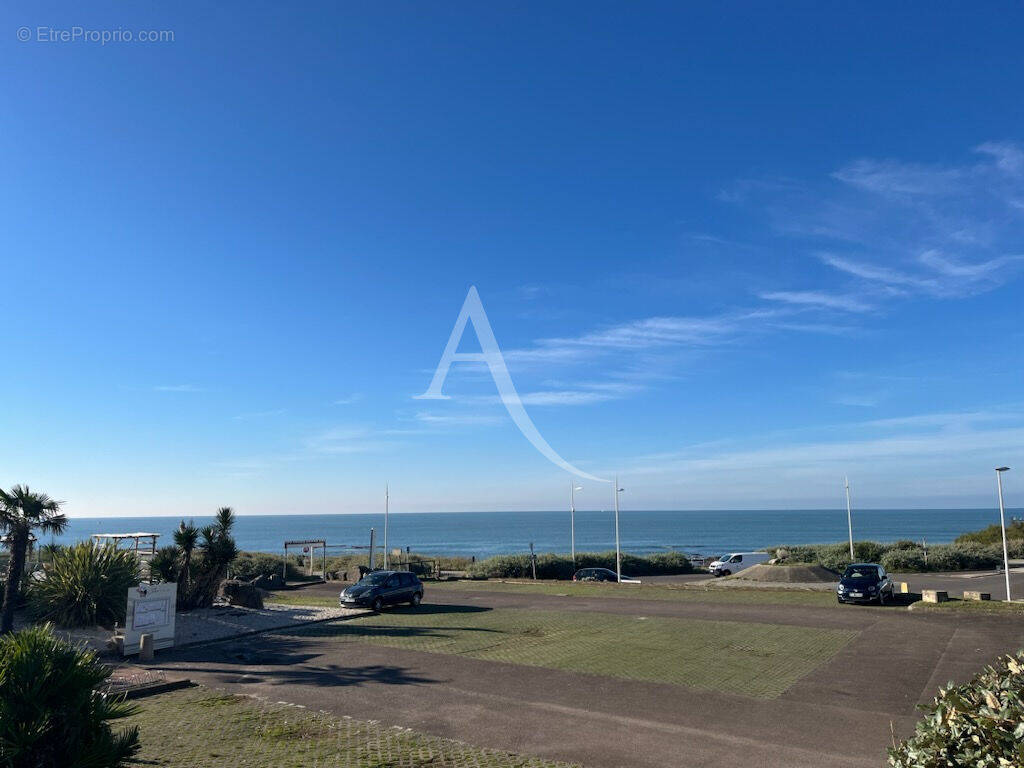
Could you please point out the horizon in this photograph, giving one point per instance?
(721, 275)
(553, 512)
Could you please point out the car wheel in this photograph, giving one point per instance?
(881, 598)
(378, 605)
(726, 573)
(415, 599)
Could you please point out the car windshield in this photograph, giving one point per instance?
(374, 579)
(867, 572)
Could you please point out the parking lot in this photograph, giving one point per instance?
(603, 677)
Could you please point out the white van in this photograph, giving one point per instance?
(737, 561)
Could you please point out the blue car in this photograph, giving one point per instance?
(865, 583)
(379, 588)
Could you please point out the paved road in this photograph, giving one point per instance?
(837, 716)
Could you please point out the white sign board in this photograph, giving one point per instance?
(150, 611)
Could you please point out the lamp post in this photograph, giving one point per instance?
(1002, 524)
(849, 515)
(618, 556)
(572, 518)
(387, 504)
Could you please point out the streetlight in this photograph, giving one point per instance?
(849, 516)
(618, 557)
(1002, 524)
(387, 504)
(572, 518)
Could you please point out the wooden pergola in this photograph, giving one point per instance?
(136, 538)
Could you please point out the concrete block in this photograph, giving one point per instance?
(903, 588)
(146, 647)
(934, 595)
(977, 595)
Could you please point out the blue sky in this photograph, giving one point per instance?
(731, 253)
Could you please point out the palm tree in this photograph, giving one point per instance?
(224, 521)
(21, 511)
(185, 538)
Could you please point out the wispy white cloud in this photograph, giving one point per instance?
(916, 456)
(819, 299)
(348, 440)
(260, 415)
(893, 178)
(177, 388)
(458, 419)
(349, 399)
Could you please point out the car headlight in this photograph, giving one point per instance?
(872, 589)
(841, 588)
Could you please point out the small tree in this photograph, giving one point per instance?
(21, 511)
(52, 713)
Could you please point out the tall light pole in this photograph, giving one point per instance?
(849, 515)
(387, 504)
(1002, 524)
(572, 518)
(618, 556)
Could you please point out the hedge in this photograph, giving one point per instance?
(980, 723)
(560, 566)
(902, 556)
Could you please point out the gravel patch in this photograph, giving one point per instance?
(205, 625)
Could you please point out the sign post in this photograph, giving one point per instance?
(150, 611)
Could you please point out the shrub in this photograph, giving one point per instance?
(903, 560)
(978, 723)
(164, 565)
(86, 584)
(51, 713)
(250, 565)
(993, 534)
(557, 566)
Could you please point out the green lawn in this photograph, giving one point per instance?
(752, 659)
(569, 589)
(199, 728)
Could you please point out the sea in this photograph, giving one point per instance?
(482, 534)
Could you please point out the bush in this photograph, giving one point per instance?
(51, 713)
(993, 534)
(978, 723)
(164, 565)
(902, 556)
(556, 566)
(250, 565)
(86, 584)
(904, 560)
(962, 557)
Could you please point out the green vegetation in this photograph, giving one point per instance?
(21, 512)
(680, 593)
(572, 590)
(196, 728)
(994, 535)
(52, 714)
(555, 566)
(199, 559)
(980, 723)
(750, 659)
(85, 585)
(899, 557)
